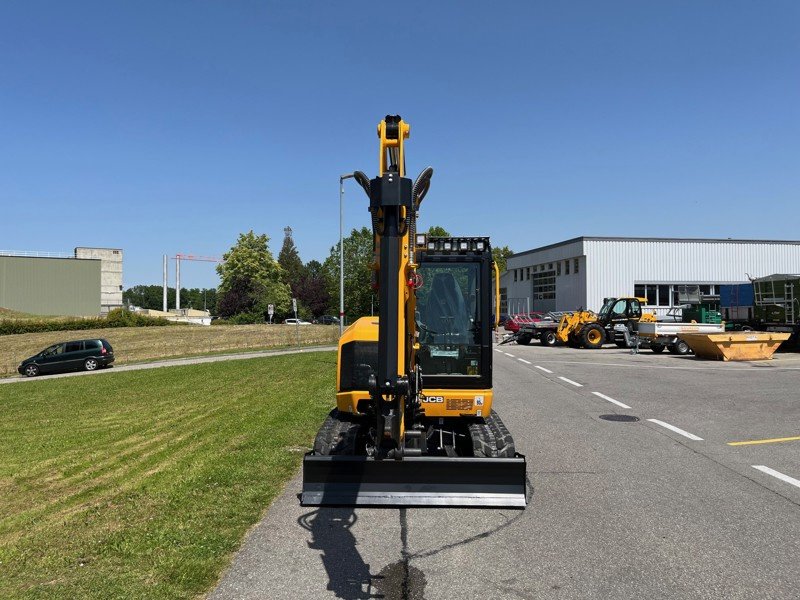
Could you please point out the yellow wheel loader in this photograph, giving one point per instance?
(616, 322)
(414, 423)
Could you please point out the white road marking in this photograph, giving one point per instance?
(543, 369)
(507, 354)
(677, 430)
(779, 475)
(742, 366)
(523, 360)
(604, 397)
(498, 350)
(575, 383)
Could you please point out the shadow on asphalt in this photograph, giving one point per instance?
(350, 578)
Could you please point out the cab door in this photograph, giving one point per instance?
(619, 312)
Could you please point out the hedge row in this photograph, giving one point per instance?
(116, 318)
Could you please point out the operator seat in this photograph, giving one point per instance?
(446, 313)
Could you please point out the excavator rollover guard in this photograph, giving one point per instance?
(414, 423)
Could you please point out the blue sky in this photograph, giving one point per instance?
(164, 127)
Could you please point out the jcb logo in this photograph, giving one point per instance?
(433, 399)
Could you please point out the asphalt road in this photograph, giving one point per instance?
(616, 509)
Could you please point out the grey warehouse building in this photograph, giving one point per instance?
(85, 283)
(581, 272)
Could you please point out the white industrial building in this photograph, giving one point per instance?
(581, 272)
(110, 274)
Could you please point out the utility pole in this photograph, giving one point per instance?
(165, 282)
(177, 283)
(341, 250)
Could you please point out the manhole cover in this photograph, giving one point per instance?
(620, 418)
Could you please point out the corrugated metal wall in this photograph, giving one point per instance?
(611, 267)
(570, 287)
(614, 266)
(50, 286)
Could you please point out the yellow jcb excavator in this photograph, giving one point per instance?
(414, 423)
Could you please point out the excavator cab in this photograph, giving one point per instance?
(454, 313)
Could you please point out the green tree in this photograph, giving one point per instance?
(500, 255)
(313, 291)
(199, 298)
(359, 297)
(148, 296)
(251, 279)
(289, 259)
(151, 296)
(438, 231)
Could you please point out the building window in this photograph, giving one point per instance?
(566, 267)
(663, 295)
(528, 273)
(515, 274)
(651, 294)
(576, 265)
(558, 268)
(544, 285)
(648, 291)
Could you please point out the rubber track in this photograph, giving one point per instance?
(483, 440)
(502, 436)
(337, 435)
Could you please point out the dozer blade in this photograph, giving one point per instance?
(413, 481)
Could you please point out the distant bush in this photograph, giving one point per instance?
(125, 318)
(246, 319)
(116, 318)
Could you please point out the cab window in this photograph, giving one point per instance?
(619, 307)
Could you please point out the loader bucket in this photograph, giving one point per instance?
(413, 481)
(741, 345)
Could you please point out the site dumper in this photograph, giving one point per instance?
(735, 345)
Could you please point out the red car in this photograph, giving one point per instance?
(514, 321)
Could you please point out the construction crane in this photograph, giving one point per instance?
(414, 423)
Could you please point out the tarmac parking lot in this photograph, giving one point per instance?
(695, 493)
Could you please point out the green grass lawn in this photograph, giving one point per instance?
(142, 484)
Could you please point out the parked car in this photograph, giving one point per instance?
(296, 322)
(503, 319)
(88, 355)
(327, 320)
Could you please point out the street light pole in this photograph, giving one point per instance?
(341, 250)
